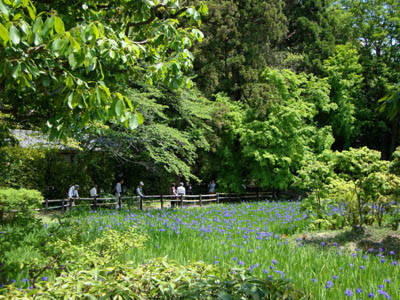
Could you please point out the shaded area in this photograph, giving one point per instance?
(372, 238)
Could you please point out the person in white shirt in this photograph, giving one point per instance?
(139, 189)
(181, 189)
(73, 194)
(93, 191)
(118, 191)
(139, 192)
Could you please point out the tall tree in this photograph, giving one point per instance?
(240, 41)
(174, 130)
(377, 31)
(344, 75)
(265, 142)
(315, 27)
(66, 66)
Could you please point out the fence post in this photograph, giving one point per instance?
(46, 203)
(217, 198)
(181, 200)
(201, 203)
(62, 205)
(70, 204)
(241, 197)
(162, 202)
(95, 202)
(119, 202)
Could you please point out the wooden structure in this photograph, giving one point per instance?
(200, 200)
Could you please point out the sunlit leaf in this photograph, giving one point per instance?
(14, 35)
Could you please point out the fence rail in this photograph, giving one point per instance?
(65, 204)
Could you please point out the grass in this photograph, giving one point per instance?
(267, 238)
(262, 238)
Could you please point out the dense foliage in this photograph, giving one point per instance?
(275, 95)
(53, 171)
(275, 86)
(70, 67)
(18, 205)
(216, 252)
(361, 186)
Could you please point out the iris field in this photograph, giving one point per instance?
(252, 236)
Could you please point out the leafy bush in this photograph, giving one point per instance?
(158, 279)
(67, 261)
(48, 251)
(52, 172)
(356, 180)
(23, 167)
(18, 204)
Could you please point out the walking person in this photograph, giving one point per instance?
(139, 192)
(181, 191)
(93, 194)
(118, 192)
(173, 193)
(189, 190)
(93, 191)
(73, 194)
(211, 187)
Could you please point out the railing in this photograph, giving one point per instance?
(181, 200)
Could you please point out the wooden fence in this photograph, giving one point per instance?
(64, 204)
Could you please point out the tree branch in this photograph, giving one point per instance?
(153, 14)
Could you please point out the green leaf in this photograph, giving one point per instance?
(14, 35)
(59, 25)
(16, 71)
(25, 28)
(57, 45)
(4, 33)
(96, 32)
(92, 64)
(31, 13)
(140, 118)
(17, 17)
(37, 26)
(48, 25)
(4, 9)
(72, 61)
(119, 108)
(98, 95)
(38, 40)
(133, 122)
(112, 54)
(225, 296)
(69, 82)
(70, 101)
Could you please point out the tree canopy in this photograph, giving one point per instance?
(68, 66)
(272, 86)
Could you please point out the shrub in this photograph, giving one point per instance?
(53, 172)
(18, 204)
(158, 279)
(23, 167)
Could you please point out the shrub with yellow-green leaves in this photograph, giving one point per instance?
(105, 250)
(158, 279)
(18, 204)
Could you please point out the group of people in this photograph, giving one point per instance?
(73, 192)
(181, 190)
